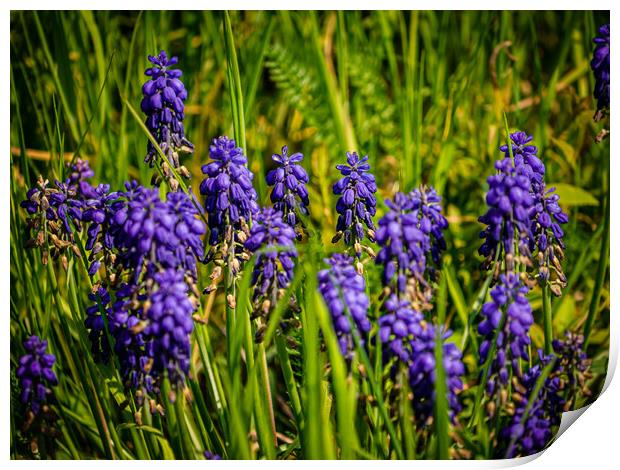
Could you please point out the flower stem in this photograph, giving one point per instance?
(265, 378)
(600, 277)
(547, 318)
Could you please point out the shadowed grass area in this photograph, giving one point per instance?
(423, 94)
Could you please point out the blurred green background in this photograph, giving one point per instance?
(422, 93)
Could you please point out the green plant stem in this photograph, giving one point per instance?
(547, 318)
(234, 82)
(441, 402)
(289, 379)
(600, 277)
(264, 373)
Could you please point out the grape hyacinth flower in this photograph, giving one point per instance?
(547, 216)
(530, 430)
(154, 246)
(169, 324)
(289, 194)
(344, 289)
(509, 214)
(51, 213)
(230, 199)
(573, 361)
(126, 327)
(94, 322)
(526, 160)
(98, 216)
(510, 205)
(422, 373)
(398, 326)
(163, 103)
(35, 374)
(403, 251)
(81, 172)
(426, 204)
(211, 456)
(600, 66)
(357, 203)
(510, 312)
(153, 234)
(273, 242)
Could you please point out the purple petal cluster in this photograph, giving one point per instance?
(530, 430)
(79, 176)
(403, 248)
(548, 237)
(169, 324)
(422, 373)
(524, 212)
(289, 194)
(600, 66)
(156, 245)
(357, 203)
(573, 360)
(508, 217)
(273, 242)
(100, 206)
(398, 326)
(211, 456)
(95, 323)
(426, 204)
(344, 290)
(54, 204)
(52, 213)
(507, 321)
(151, 233)
(125, 325)
(230, 198)
(526, 161)
(163, 104)
(35, 373)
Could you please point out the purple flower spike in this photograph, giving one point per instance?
(52, 215)
(573, 360)
(35, 374)
(600, 66)
(169, 324)
(403, 250)
(100, 208)
(523, 216)
(398, 326)
(163, 104)
(547, 218)
(526, 159)
(79, 176)
(426, 204)
(510, 312)
(230, 198)
(357, 203)
(531, 430)
(273, 241)
(344, 289)
(289, 194)
(422, 373)
(131, 346)
(510, 206)
(155, 246)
